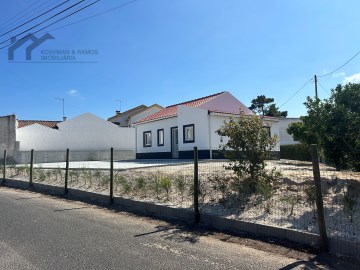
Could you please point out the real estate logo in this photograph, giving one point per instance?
(47, 55)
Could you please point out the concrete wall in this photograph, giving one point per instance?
(23, 157)
(85, 132)
(7, 135)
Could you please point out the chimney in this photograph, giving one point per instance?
(64, 118)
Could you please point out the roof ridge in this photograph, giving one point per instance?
(193, 100)
(39, 120)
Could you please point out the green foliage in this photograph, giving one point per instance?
(292, 200)
(165, 184)
(247, 147)
(349, 202)
(310, 195)
(124, 184)
(333, 124)
(180, 185)
(295, 152)
(220, 183)
(266, 107)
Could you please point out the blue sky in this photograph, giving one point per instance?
(169, 51)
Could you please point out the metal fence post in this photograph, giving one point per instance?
(67, 171)
(31, 167)
(112, 175)
(4, 168)
(319, 199)
(196, 185)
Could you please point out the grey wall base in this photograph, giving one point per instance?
(337, 246)
(23, 157)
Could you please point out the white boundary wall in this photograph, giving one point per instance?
(85, 132)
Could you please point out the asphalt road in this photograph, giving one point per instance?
(41, 232)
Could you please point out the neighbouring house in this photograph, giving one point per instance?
(129, 117)
(284, 137)
(87, 136)
(173, 131)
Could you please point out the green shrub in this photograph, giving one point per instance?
(180, 184)
(165, 184)
(295, 152)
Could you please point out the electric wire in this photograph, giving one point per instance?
(42, 14)
(57, 14)
(63, 18)
(93, 16)
(323, 87)
(3, 25)
(348, 61)
(296, 92)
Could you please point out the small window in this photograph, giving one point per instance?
(189, 133)
(147, 138)
(160, 137)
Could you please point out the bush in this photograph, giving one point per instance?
(295, 152)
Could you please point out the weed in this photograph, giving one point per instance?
(292, 200)
(180, 184)
(165, 184)
(349, 202)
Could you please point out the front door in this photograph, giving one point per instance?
(174, 143)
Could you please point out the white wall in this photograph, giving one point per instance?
(198, 117)
(165, 124)
(282, 125)
(217, 120)
(85, 132)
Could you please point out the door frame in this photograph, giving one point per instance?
(171, 141)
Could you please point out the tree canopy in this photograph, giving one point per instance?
(266, 107)
(333, 124)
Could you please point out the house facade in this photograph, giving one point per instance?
(175, 130)
(129, 117)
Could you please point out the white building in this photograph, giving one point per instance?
(129, 117)
(87, 136)
(175, 130)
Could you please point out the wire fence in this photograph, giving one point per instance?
(289, 201)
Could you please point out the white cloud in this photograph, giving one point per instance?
(73, 93)
(355, 78)
(340, 74)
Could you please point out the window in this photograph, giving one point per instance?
(160, 137)
(189, 133)
(147, 138)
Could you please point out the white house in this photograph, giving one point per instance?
(175, 130)
(284, 137)
(129, 117)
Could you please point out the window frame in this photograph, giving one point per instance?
(145, 144)
(161, 130)
(186, 140)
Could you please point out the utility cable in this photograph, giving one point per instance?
(296, 92)
(327, 74)
(57, 14)
(42, 14)
(63, 18)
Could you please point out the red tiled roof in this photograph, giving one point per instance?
(172, 110)
(49, 124)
